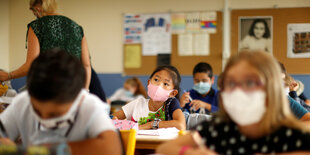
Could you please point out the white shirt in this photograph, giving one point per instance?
(121, 95)
(250, 42)
(92, 119)
(137, 108)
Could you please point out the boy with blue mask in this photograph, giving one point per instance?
(202, 98)
(56, 110)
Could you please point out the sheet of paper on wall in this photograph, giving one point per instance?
(178, 23)
(156, 36)
(132, 28)
(208, 22)
(201, 44)
(192, 22)
(185, 44)
(132, 56)
(298, 40)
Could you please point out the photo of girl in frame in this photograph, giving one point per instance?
(255, 33)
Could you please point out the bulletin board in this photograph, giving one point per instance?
(281, 17)
(185, 64)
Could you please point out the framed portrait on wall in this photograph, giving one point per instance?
(255, 33)
(298, 40)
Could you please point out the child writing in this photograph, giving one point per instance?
(133, 88)
(162, 110)
(202, 98)
(254, 115)
(56, 110)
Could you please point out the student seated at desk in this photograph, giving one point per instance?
(202, 98)
(56, 109)
(162, 110)
(294, 87)
(254, 115)
(298, 107)
(133, 88)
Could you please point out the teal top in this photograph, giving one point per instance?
(58, 31)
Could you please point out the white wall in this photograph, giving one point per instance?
(4, 34)
(252, 4)
(102, 22)
(20, 16)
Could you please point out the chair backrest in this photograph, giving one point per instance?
(129, 141)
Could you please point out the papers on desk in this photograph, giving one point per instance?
(159, 132)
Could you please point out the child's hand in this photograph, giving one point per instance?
(6, 141)
(293, 86)
(184, 99)
(146, 126)
(197, 104)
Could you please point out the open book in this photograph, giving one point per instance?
(159, 132)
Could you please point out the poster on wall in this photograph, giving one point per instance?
(132, 56)
(202, 44)
(178, 23)
(194, 44)
(298, 40)
(156, 34)
(208, 22)
(185, 44)
(255, 33)
(132, 28)
(192, 22)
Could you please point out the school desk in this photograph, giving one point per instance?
(151, 142)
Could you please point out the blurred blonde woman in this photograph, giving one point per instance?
(48, 31)
(254, 114)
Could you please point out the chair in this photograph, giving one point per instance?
(129, 141)
(194, 119)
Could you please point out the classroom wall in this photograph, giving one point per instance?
(102, 23)
(4, 34)
(19, 17)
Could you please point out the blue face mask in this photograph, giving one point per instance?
(128, 93)
(202, 87)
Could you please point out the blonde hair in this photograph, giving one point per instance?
(278, 112)
(48, 6)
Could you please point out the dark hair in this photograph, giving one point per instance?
(203, 67)
(267, 31)
(56, 76)
(174, 73)
(135, 82)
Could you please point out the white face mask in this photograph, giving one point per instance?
(59, 122)
(245, 108)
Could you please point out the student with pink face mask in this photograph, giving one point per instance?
(163, 109)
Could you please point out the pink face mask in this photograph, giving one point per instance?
(157, 93)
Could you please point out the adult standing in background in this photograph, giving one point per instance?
(50, 30)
